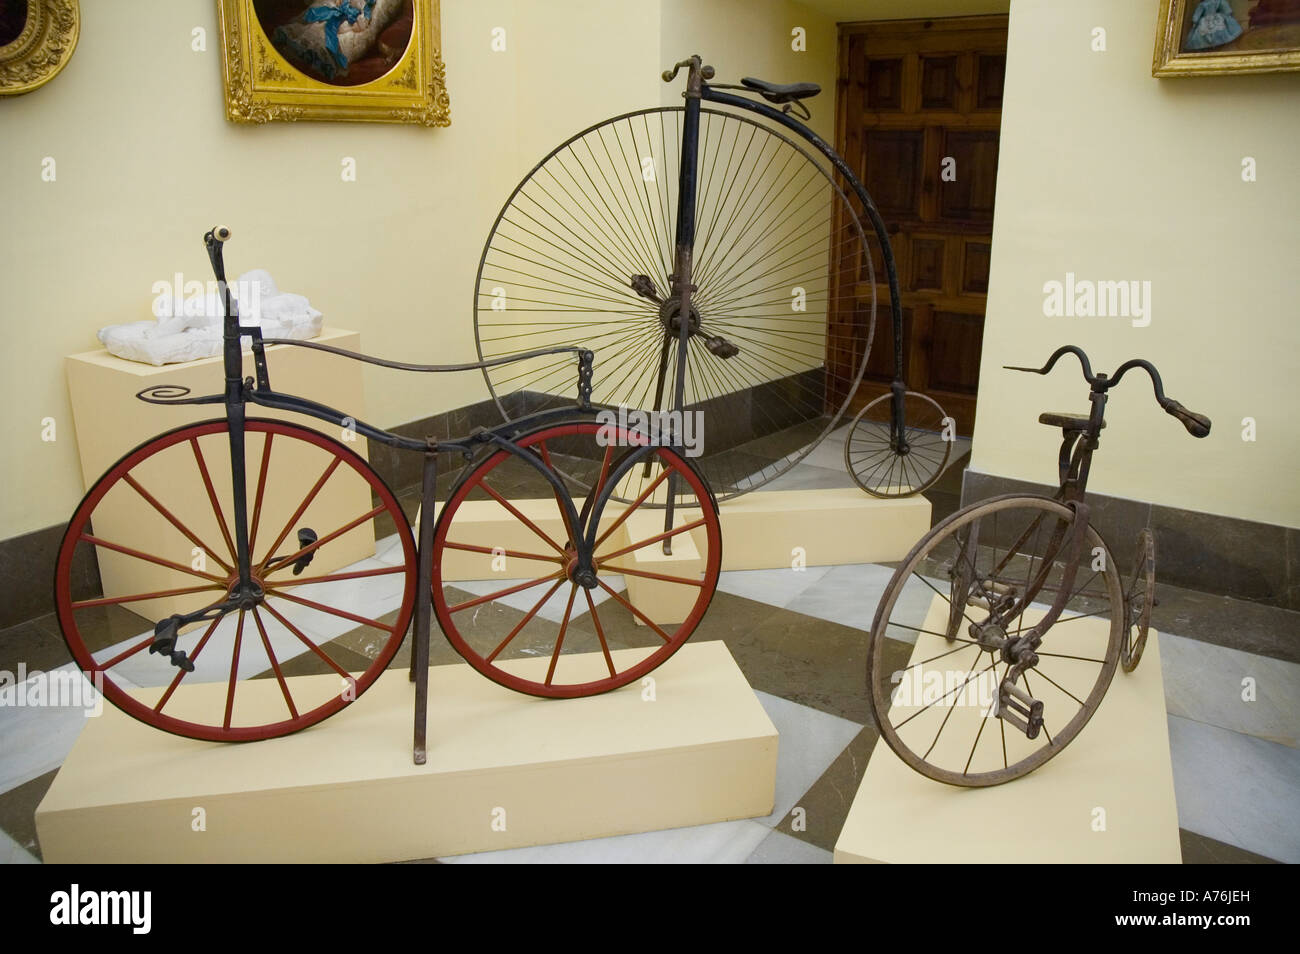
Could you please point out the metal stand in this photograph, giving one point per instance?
(424, 599)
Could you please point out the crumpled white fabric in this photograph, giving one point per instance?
(191, 328)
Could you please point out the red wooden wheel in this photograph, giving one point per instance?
(158, 526)
(505, 587)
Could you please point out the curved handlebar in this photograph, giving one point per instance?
(1198, 425)
(706, 72)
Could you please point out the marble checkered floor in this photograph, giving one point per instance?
(800, 638)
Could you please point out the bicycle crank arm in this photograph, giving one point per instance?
(167, 630)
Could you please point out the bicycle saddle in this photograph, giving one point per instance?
(778, 93)
(1069, 422)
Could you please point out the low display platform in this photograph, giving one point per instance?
(504, 771)
(1108, 797)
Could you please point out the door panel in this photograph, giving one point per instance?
(918, 99)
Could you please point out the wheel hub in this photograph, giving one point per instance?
(574, 571)
(670, 316)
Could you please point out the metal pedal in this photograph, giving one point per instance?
(306, 537)
(164, 644)
(1020, 709)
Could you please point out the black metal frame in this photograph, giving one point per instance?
(241, 391)
(698, 89)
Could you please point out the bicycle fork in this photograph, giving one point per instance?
(1015, 705)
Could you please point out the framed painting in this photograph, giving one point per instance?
(343, 60)
(37, 38)
(1208, 37)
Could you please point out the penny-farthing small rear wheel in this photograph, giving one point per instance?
(158, 527)
(877, 461)
(506, 587)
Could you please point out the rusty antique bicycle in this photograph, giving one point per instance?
(1016, 615)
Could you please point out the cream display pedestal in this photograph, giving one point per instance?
(1107, 798)
(504, 771)
(765, 530)
(110, 420)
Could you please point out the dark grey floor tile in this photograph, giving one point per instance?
(18, 811)
(34, 645)
(1200, 850)
(1224, 621)
(826, 804)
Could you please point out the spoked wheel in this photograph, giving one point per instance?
(1139, 600)
(935, 675)
(507, 589)
(882, 465)
(582, 253)
(159, 528)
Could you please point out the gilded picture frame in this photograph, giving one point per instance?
(333, 60)
(1214, 37)
(36, 43)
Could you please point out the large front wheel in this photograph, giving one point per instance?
(975, 583)
(508, 589)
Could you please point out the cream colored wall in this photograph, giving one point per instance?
(753, 38)
(1113, 175)
(146, 162)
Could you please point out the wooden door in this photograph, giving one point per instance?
(919, 107)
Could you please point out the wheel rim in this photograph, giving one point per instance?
(557, 266)
(521, 620)
(1139, 600)
(875, 462)
(159, 527)
(940, 726)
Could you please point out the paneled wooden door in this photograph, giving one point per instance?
(919, 108)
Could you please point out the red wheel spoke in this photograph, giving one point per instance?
(652, 576)
(180, 567)
(321, 541)
(604, 472)
(170, 518)
(307, 642)
(559, 501)
(524, 622)
(479, 600)
(495, 551)
(559, 640)
(635, 612)
(136, 597)
(234, 670)
(655, 539)
(125, 654)
(600, 631)
(212, 498)
(277, 585)
(302, 507)
(275, 663)
(519, 516)
(344, 614)
(181, 674)
(261, 488)
(663, 474)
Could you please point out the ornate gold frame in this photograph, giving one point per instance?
(42, 49)
(261, 86)
(1168, 61)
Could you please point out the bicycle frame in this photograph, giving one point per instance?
(240, 392)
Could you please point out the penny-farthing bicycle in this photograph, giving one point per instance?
(717, 260)
(241, 595)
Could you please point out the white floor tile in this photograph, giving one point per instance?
(778, 848)
(773, 587)
(1236, 788)
(810, 740)
(12, 853)
(1206, 683)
